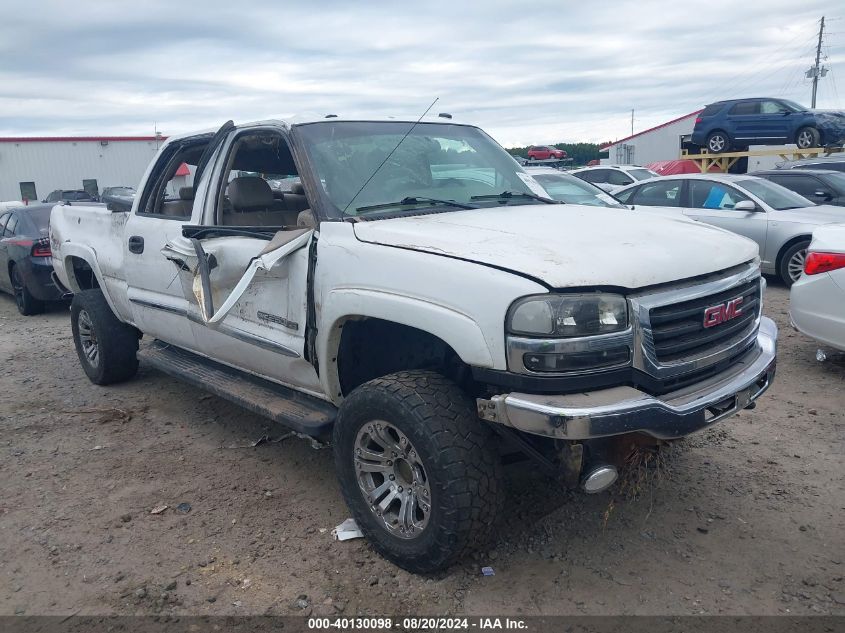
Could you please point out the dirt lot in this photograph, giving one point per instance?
(747, 520)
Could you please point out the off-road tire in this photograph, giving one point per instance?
(726, 146)
(27, 304)
(788, 256)
(808, 137)
(117, 343)
(459, 455)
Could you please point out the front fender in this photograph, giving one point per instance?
(458, 330)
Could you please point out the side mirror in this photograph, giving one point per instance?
(745, 205)
(824, 195)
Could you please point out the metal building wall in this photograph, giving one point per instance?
(662, 143)
(64, 164)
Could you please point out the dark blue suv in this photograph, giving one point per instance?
(739, 123)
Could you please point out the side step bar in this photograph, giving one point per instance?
(298, 411)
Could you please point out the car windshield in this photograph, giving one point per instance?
(378, 169)
(795, 107)
(76, 195)
(837, 181)
(122, 191)
(774, 195)
(642, 174)
(573, 190)
(40, 218)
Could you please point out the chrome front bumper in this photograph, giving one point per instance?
(621, 410)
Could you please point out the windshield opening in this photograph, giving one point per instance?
(435, 161)
(774, 195)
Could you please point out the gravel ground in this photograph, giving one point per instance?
(747, 517)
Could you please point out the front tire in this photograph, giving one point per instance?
(26, 303)
(792, 263)
(106, 347)
(808, 137)
(418, 470)
(718, 142)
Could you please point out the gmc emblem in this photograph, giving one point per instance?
(714, 315)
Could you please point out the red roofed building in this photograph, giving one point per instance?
(33, 166)
(661, 142)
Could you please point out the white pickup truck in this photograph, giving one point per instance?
(405, 289)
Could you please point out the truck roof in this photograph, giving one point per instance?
(305, 119)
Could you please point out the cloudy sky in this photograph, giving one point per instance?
(528, 72)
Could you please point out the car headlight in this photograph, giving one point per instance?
(567, 316)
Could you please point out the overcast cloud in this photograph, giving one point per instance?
(528, 72)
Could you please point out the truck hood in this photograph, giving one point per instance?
(569, 245)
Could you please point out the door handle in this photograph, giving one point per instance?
(136, 244)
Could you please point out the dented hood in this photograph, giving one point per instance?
(569, 245)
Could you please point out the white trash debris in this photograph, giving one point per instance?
(820, 355)
(347, 530)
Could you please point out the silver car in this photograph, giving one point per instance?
(779, 220)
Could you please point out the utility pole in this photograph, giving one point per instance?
(632, 121)
(817, 71)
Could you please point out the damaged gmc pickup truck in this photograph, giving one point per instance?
(406, 290)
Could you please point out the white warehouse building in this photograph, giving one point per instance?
(662, 142)
(32, 167)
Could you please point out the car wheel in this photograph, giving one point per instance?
(792, 263)
(718, 142)
(808, 137)
(106, 347)
(26, 303)
(418, 470)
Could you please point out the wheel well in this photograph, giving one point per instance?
(787, 246)
(370, 348)
(82, 274)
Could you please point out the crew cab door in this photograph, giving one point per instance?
(243, 269)
(164, 205)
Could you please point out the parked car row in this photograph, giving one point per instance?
(780, 221)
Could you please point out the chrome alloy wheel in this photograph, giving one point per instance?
(716, 143)
(795, 267)
(392, 479)
(88, 338)
(805, 139)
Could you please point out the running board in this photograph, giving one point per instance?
(298, 411)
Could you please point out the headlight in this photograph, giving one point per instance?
(566, 316)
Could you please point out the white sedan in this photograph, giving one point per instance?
(613, 177)
(817, 299)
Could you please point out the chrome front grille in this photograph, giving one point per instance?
(678, 331)
(670, 331)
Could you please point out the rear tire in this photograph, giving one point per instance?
(808, 137)
(417, 434)
(792, 263)
(106, 347)
(26, 303)
(718, 142)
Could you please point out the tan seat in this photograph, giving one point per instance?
(182, 207)
(253, 204)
